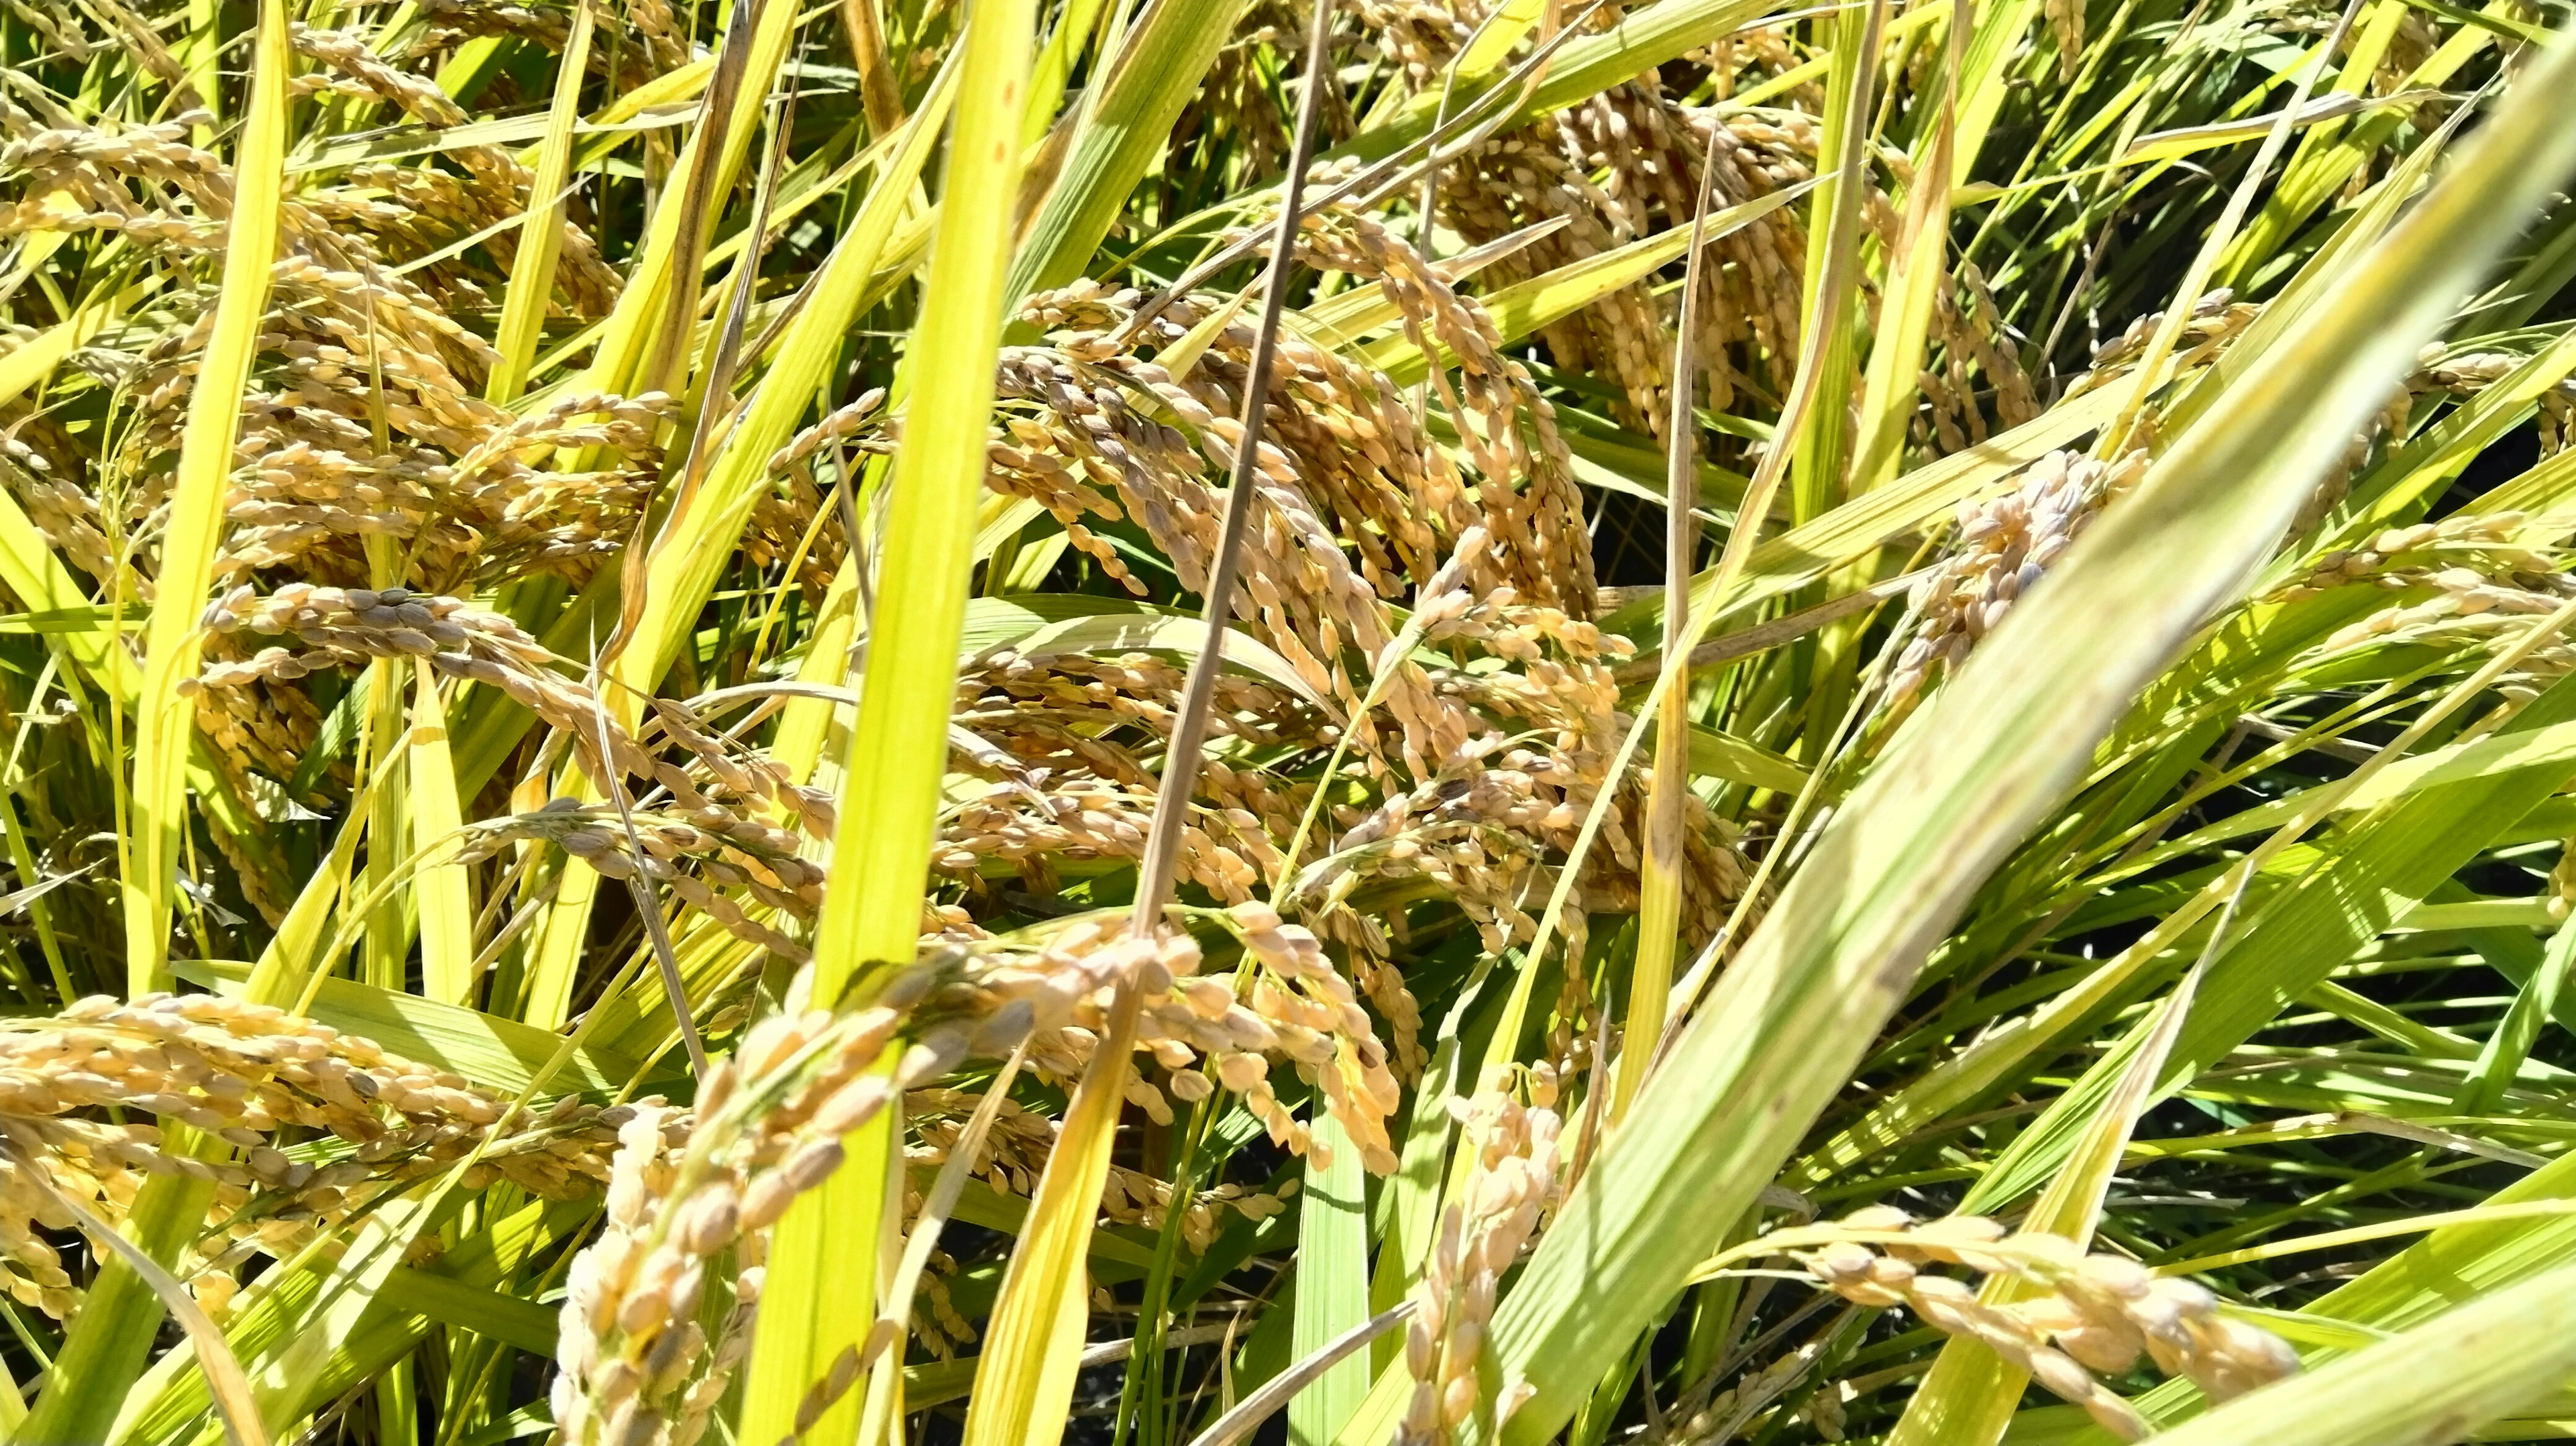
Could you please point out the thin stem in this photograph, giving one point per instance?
(1181, 762)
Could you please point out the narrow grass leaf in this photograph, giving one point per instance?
(825, 1266)
(162, 725)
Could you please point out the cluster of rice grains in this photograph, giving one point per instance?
(2465, 579)
(1618, 167)
(1516, 1176)
(692, 1195)
(1626, 163)
(1488, 745)
(722, 805)
(2077, 1315)
(2466, 584)
(2001, 547)
(237, 1080)
(365, 426)
(691, 1200)
(1486, 749)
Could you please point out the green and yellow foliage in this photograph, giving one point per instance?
(1390, 723)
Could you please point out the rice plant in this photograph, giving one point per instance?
(1225, 723)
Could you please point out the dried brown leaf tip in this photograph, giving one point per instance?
(2075, 1314)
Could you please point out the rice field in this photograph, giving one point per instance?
(1220, 723)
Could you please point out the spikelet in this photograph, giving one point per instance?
(1618, 167)
(2097, 1313)
(1512, 1187)
(2487, 542)
(2470, 582)
(2004, 548)
(1091, 431)
(692, 1199)
(2217, 318)
(1976, 344)
(242, 1074)
(1014, 1154)
(346, 627)
(1704, 1415)
(2066, 25)
(690, 1205)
